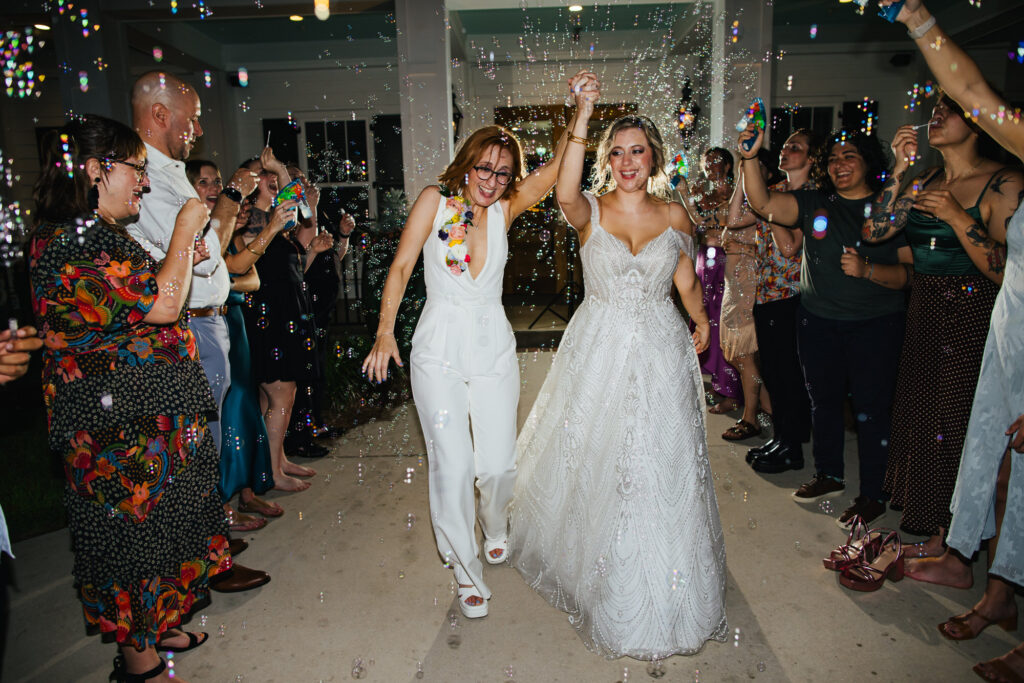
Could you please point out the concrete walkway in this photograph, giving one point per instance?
(356, 577)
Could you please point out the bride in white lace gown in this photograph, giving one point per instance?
(614, 516)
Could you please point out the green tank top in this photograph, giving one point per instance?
(936, 248)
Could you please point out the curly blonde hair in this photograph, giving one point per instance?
(657, 183)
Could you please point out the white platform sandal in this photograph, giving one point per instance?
(467, 591)
(496, 551)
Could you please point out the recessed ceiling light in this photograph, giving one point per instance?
(42, 27)
(296, 17)
(575, 8)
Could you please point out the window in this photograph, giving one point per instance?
(787, 119)
(336, 151)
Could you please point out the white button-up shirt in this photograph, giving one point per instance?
(169, 189)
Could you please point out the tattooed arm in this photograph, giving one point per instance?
(890, 208)
(985, 240)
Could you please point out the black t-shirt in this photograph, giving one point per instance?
(830, 223)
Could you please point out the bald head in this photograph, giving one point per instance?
(165, 113)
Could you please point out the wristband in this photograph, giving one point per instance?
(232, 193)
(253, 251)
(922, 29)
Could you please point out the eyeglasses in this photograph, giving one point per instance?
(484, 173)
(140, 169)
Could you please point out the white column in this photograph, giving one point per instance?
(742, 70)
(426, 90)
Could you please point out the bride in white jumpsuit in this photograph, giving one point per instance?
(465, 377)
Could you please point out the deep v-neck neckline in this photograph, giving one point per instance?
(487, 247)
(626, 246)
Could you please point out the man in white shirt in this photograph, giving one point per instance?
(165, 113)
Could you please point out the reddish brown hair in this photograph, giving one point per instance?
(473, 147)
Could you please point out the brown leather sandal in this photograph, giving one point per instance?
(741, 430)
(958, 628)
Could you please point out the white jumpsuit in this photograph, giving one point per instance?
(464, 371)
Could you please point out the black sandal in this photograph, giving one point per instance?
(120, 675)
(741, 430)
(193, 642)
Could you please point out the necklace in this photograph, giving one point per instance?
(457, 218)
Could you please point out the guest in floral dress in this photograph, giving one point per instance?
(126, 397)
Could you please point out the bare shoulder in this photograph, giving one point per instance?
(430, 193)
(1006, 184)
(679, 219)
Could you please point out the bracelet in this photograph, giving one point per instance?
(253, 251)
(345, 236)
(922, 29)
(871, 268)
(232, 193)
(577, 138)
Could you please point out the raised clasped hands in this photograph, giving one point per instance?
(585, 90)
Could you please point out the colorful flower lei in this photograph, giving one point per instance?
(457, 220)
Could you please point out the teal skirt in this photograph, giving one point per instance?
(245, 449)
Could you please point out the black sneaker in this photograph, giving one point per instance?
(781, 459)
(868, 509)
(821, 486)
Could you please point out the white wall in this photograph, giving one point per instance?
(831, 74)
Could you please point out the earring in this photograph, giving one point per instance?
(94, 195)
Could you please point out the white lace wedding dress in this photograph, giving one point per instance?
(614, 517)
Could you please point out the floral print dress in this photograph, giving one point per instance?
(127, 404)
